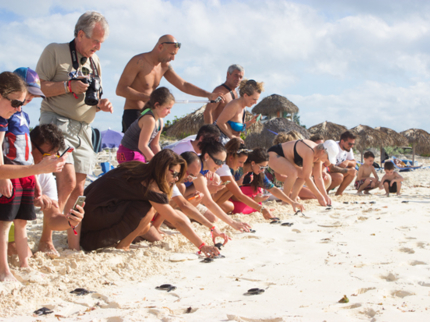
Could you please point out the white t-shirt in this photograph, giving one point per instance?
(175, 192)
(182, 147)
(224, 171)
(48, 184)
(344, 155)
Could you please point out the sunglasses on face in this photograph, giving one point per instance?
(177, 44)
(351, 144)
(174, 174)
(263, 168)
(15, 103)
(217, 161)
(44, 154)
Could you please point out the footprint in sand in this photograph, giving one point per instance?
(415, 263)
(369, 312)
(401, 294)
(364, 290)
(390, 277)
(407, 250)
(421, 245)
(426, 284)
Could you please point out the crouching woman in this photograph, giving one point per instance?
(121, 204)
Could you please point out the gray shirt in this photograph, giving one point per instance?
(131, 136)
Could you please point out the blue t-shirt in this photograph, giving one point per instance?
(17, 144)
(267, 184)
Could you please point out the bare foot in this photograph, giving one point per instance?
(8, 278)
(359, 193)
(399, 194)
(49, 249)
(123, 245)
(387, 194)
(366, 192)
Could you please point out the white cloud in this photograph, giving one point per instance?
(358, 56)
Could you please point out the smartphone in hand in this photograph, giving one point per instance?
(69, 149)
(80, 201)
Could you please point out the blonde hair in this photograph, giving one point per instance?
(250, 86)
(287, 136)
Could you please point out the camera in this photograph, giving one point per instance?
(94, 90)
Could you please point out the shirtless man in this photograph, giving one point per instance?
(235, 74)
(143, 74)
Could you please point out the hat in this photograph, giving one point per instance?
(31, 79)
(332, 149)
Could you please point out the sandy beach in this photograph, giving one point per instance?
(377, 254)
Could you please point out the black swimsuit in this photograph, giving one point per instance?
(298, 160)
(229, 89)
(277, 149)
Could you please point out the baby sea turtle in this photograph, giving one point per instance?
(275, 218)
(80, 291)
(166, 287)
(207, 260)
(43, 311)
(328, 208)
(252, 231)
(346, 202)
(372, 202)
(289, 224)
(254, 291)
(405, 201)
(219, 245)
(218, 256)
(275, 222)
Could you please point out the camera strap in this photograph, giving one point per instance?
(75, 62)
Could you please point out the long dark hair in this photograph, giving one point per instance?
(155, 170)
(211, 146)
(258, 155)
(161, 96)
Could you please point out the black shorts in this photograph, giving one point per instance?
(21, 204)
(392, 188)
(128, 117)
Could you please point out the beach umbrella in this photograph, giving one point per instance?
(111, 139)
(419, 139)
(396, 139)
(329, 130)
(275, 103)
(263, 134)
(369, 137)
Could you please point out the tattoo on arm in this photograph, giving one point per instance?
(335, 169)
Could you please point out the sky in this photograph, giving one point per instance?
(349, 62)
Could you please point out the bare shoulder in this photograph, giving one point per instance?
(220, 89)
(147, 120)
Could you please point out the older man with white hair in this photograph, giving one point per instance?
(235, 75)
(70, 75)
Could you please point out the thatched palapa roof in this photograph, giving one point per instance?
(274, 103)
(329, 130)
(369, 137)
(396, 139)
(419, 139)
(261, 137)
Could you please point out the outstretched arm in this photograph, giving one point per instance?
(187, 87)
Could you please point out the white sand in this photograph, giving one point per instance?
(378, 255)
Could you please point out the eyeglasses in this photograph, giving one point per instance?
(15, 103)
(351, 144)
(44, 154)
(174, 174)
(177, 44)
(217, 161)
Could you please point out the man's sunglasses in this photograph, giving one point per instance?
(217, 161)
(44, 154)
(15, 103)
(177, 44)
(351, 144)
(174, 174)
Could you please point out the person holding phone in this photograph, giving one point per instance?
(237, 154)
(231, 121)
(212, 158)
(255, 165)
(132, 194)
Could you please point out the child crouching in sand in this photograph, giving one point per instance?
(364, 181)
(391, 181)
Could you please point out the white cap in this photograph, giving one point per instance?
(332, 149)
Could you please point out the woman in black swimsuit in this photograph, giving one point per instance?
(300, 161)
